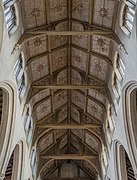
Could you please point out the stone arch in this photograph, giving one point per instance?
(123, 166)
(129, 112)
(14, 167)
(7, 112)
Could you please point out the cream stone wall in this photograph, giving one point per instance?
(130, 62)
(7, 62)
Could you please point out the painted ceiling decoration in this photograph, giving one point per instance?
(68, 45)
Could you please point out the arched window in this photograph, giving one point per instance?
(14, 167)
(20, 76)
(117, 76)
(10, 15)
(128, 13)
(130, 118)
(33, 162)
(110, 125)
(124, 169)
(28, 126)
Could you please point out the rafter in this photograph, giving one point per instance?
(81, 142)
(89, 115)
(55, 143)
(69, 156)
(69, 126)
(97, 80)
(84, 169)
(45, 54)
(101, 56)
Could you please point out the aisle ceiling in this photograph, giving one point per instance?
(69, 76)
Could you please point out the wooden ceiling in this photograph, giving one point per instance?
(69, 46)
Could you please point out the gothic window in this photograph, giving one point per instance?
(18, 66)
(28, 126)
(110, 125)
(20, 76)
(124, 168)
(10, 15)
(14, 167)
(115, 86)
(119, 68)
(33, 162)
(7, 1)
(21, 84)
(117, 76)
(129, 169)
(128, 16)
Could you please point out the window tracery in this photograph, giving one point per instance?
(128, 13)
(10, 15)
(117, 76)
(33, 161)
(28, 126)
(20, 76)
(109, 125)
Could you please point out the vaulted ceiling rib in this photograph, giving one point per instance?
(68, 47)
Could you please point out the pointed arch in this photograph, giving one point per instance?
(130, 116)
(14, 167)
(123, 166)
(6, 125)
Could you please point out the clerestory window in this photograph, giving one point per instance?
(28, 126)
(33, 162)
(10, 15)
(117, 76)
(128, 14)
(20, 76)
